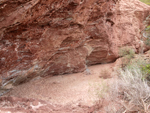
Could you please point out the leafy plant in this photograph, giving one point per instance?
(147, 28)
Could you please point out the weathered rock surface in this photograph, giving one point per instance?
(50, 37)
(23, 105)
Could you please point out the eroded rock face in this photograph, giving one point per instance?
(50, 37)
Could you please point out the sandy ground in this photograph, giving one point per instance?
(74, 89)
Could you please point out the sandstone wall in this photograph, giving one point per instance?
(50, 37)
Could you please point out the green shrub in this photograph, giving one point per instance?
(143, 65)
(146, 71)
(147, 42)
(127, 53)
(146, 1)
(147, 28)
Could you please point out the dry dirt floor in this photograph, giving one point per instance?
(70, 93)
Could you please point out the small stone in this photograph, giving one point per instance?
(35, 103)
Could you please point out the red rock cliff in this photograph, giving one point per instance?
(49, 37)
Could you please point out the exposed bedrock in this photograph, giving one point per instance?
(50, 37)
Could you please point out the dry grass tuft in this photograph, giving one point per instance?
(131, 90)
(105, 74)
